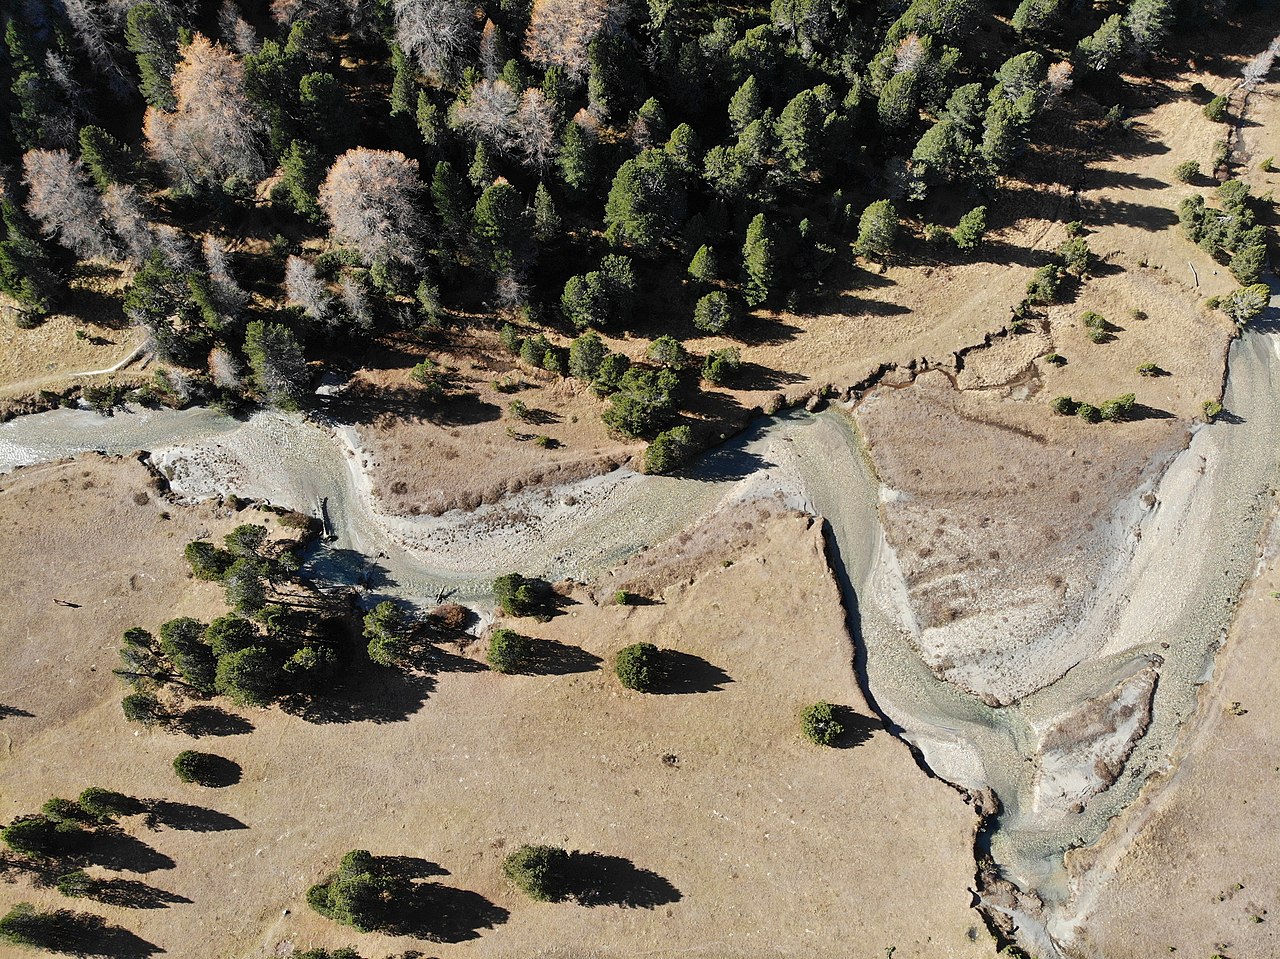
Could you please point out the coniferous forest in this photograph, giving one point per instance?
(266, 185)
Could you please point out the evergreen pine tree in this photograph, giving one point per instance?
(647, 202)
(745, 105)
(703, 267)
(546, 221)
(403, 99)
(480, 173)
(430, 125)
(576, 166)
(151, 35)
(105, 158)
(301, 175)
(499, 223)
(877, 228)
(26, 270)
(799, 128)
(279, 367)
(448, 195)
(758, 261)
(324, 110)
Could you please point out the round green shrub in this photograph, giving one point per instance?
(639, 666)
(192, 766)
(537, 871)
(106, 805)
(1216, 109)
(821, 724)
(508, 651)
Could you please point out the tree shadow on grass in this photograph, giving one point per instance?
(431, 911)
(765, 329)
(858, 729)
(546, 657)
(84, 934)
(212, 721)
(374, 694)
(1141, 411)
(433, 659)
(120, 852)
(684, 673)
(594, 879)
(189, 818)
(218, 772)
(132, 894)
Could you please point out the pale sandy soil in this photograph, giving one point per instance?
(1198, 842)
(1203, 847)
(771, 846)
(1001, 512)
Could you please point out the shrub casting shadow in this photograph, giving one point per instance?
(546, 657)
(132, 894)
(374, 694)
(594, 879)
(685, 673)
(431, 911)
(432, 659)
(84, 934)
(218, 772)
(1141, 411)
(118, 851)
(212, 721)
(189, 818)
(858, 729)
(7, 711)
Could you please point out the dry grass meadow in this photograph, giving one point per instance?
(732, 835)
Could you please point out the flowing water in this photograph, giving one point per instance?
(815, 463)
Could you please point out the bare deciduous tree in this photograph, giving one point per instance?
(303, 287)
(60, 72)
(235, 31)
(1059, 78)
(93, 24)
(61, 198)
(489, 113)
(489, 50)
(536, 122)
(356, 299)
(126, 212)
(373, 199)
(560, 31)
(175, 247)
(231, 296)
(216, 132)
(224, 368)
(910, 54)
(434, 31)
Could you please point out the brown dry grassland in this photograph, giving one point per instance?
(749, 840)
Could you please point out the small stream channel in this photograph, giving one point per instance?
(818, 460)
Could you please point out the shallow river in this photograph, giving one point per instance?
(816, 463)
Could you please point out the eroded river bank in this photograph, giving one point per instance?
(1183, 550)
